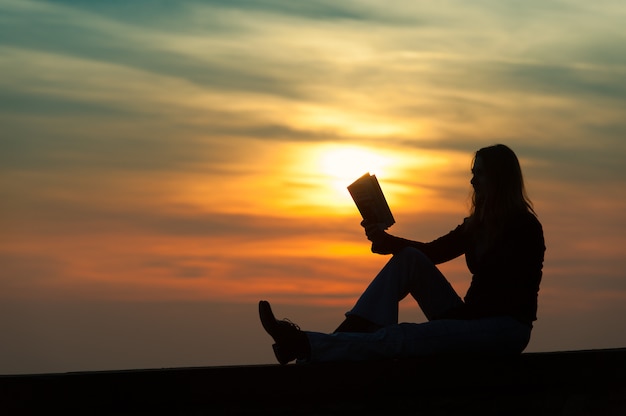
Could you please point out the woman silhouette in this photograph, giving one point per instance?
(503, 244)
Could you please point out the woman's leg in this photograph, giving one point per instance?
(498, 335)
(409, 271)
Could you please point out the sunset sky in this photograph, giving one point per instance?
(165, 165)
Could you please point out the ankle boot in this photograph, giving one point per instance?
(290, 342)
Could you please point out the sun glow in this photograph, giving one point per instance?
(345, 164)
(318, 176)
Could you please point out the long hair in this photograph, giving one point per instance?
(504, 195)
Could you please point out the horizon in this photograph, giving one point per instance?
(165, 167)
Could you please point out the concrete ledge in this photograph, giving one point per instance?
(561, 383)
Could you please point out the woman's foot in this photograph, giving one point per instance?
(290, 342)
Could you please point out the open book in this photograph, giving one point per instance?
(370, 200)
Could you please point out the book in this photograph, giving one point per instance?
(370, 200)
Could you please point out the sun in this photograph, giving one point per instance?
(322, 173)
(344, 164)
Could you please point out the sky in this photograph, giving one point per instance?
(166, 165)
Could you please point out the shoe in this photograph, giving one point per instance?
(290, 342)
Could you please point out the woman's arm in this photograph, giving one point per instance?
(438, 251)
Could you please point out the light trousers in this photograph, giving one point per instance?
(411, 272)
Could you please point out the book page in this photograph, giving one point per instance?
(370, 200)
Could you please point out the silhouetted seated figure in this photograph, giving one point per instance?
(503, 244)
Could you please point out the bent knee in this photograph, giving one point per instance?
(413, 253)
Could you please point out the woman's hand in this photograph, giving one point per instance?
(373, 231)
(382, 243)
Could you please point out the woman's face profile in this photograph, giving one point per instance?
(479, 178)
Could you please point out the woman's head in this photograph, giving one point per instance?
(498, 184)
